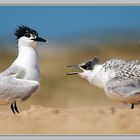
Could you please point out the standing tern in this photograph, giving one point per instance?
(119, 78)
(22, 78)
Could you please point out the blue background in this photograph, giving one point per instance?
(65, 22)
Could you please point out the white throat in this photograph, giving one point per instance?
(28, 58)
(95, 77)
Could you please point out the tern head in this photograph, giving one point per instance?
(27, 36)
(86, 68)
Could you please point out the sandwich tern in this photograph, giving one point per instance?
(119, 78)
(21, 79)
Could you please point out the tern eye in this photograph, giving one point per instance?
(27, 34)
(87, 66)
(84, 67)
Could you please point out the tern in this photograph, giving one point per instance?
(119, 78)
(20, 80)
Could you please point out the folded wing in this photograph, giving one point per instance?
(124, 87)
(13, 87)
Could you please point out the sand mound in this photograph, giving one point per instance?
(87, 120)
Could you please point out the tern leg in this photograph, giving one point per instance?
(12, 108)
(16, 108)
(132, 106)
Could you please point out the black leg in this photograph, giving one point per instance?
(132, 106)
(16, 108)
(12, 108)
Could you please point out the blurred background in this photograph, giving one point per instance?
(75, 34)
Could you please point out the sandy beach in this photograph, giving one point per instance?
(70, 105)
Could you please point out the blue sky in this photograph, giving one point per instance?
(60, 21)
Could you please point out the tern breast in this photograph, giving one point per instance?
(28, 58)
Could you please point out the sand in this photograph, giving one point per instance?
(86, 120)
(70, 105)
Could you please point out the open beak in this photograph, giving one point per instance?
(74, 66)
(39, 39)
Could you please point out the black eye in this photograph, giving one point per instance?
(84, 67)
(27, 34)
(87, 66)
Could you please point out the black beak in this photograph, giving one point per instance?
(39, 39)
(73, 73)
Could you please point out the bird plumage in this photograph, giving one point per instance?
(119, 78)
(21, 79)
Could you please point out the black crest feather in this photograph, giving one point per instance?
(89, 65)
(24, 31)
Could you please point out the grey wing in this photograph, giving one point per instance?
(13, 87)
(125, 87)
(19, 71)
